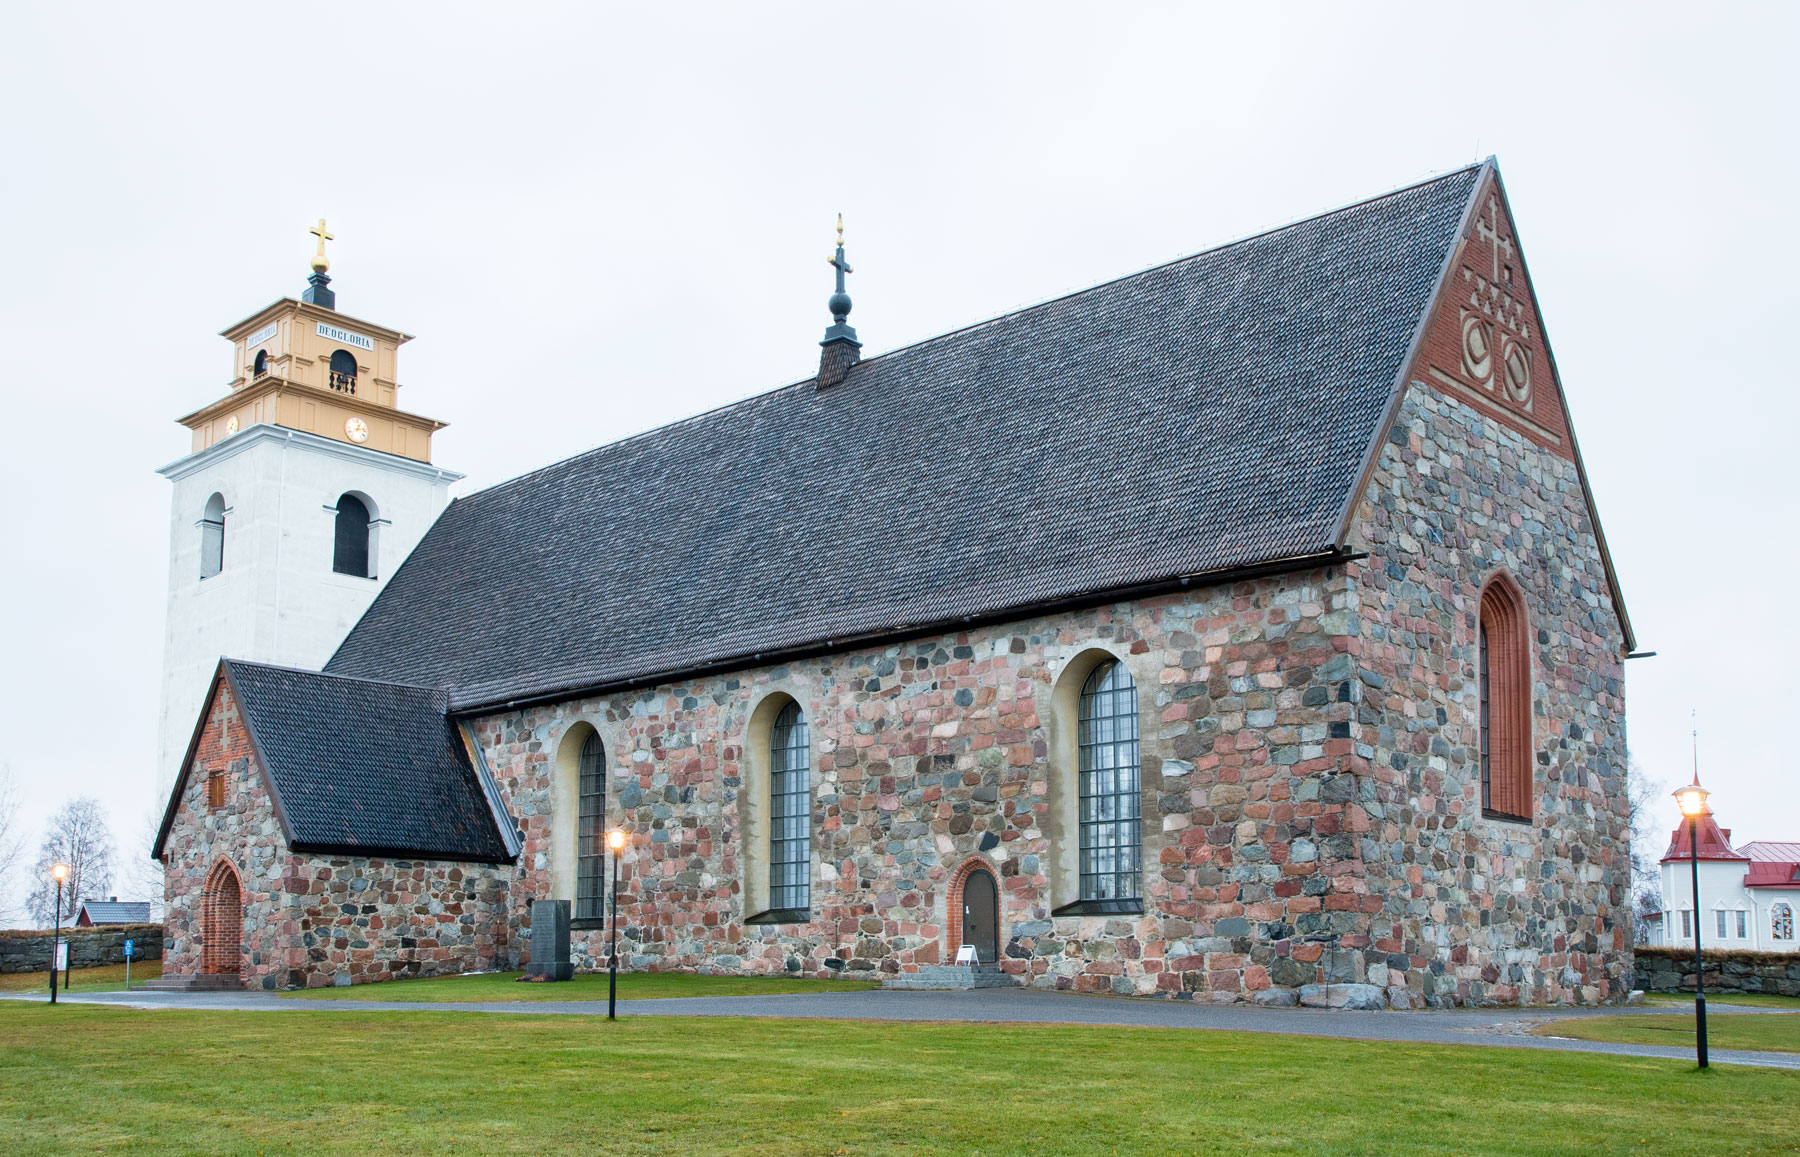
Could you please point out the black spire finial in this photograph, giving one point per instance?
(840, 350)
(840, 301)
(318, 290)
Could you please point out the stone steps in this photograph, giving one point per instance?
(200, 982)
(952, 976)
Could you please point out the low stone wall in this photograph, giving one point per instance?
(1672, 970)
(29, 950)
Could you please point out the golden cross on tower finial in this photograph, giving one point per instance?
(840, 230)
(319, 262)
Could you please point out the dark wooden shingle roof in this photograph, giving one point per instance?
(360, 766)
(1207, 414)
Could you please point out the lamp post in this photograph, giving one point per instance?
(1693, 805)
(615, 840)
(60, 872)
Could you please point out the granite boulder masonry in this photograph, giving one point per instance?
(1239, 630)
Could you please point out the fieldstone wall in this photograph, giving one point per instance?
(30, 951)
(1464, 908)
(935, 753)
(311, 921)
(1666, 970)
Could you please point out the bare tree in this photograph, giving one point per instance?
(1644, 798)
(78, 836)
(141, 874)
(12, 841)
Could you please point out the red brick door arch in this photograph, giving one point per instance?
(957, 901)
(222, 922)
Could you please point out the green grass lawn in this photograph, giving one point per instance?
(504, 986)
(94, 1079)
(100, 979)
(1759, 999)
(1760, 1032)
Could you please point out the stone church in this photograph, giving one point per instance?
(1231, 627)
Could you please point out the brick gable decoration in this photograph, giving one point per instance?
(1272, 482)
(1486, 341)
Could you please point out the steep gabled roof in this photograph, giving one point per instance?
(358, 766)
(1209, 414)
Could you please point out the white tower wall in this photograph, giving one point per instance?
(277, 599)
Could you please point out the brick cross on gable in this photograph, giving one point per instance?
(1489, 230)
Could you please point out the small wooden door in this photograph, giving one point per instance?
(981, 915)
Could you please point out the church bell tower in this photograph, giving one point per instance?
(304, 488)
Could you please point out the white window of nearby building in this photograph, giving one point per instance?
(1781, 922)
(1720, 914)
(1687, 924)
(1743, 924)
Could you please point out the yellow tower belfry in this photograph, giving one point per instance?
(303, 365)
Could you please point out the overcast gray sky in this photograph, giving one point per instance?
(601, 218)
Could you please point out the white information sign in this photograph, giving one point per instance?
(264, 334)
(966, 955)
(346, 336)
(62, 954)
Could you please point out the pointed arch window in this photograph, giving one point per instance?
(1781, 922)
(354, 533)
(1111, 818)
(212, 536)
(1504, 678)
(591, 832)
(790, 815)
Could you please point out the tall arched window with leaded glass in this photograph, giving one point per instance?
(590, 862)
(790, 815)
(1111, 812)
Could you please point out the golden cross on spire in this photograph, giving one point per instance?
(319, 262)
(837, 259)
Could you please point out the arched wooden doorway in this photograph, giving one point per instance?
(981, 915)
(222, 922)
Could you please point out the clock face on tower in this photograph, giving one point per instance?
(357, 429)
(231, 425)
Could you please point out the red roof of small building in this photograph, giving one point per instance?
(1773, 864)
(1715, 841)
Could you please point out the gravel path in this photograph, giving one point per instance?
(1503, 1028)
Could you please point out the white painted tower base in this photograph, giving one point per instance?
(276, 598)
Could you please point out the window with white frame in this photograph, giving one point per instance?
(1743, 924)
(790, 810)
(1720, 921)
(1110, 819)
(1687, 923)
(1781, 922)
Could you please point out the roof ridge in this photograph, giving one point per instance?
(1174, 261)
(976, 325)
